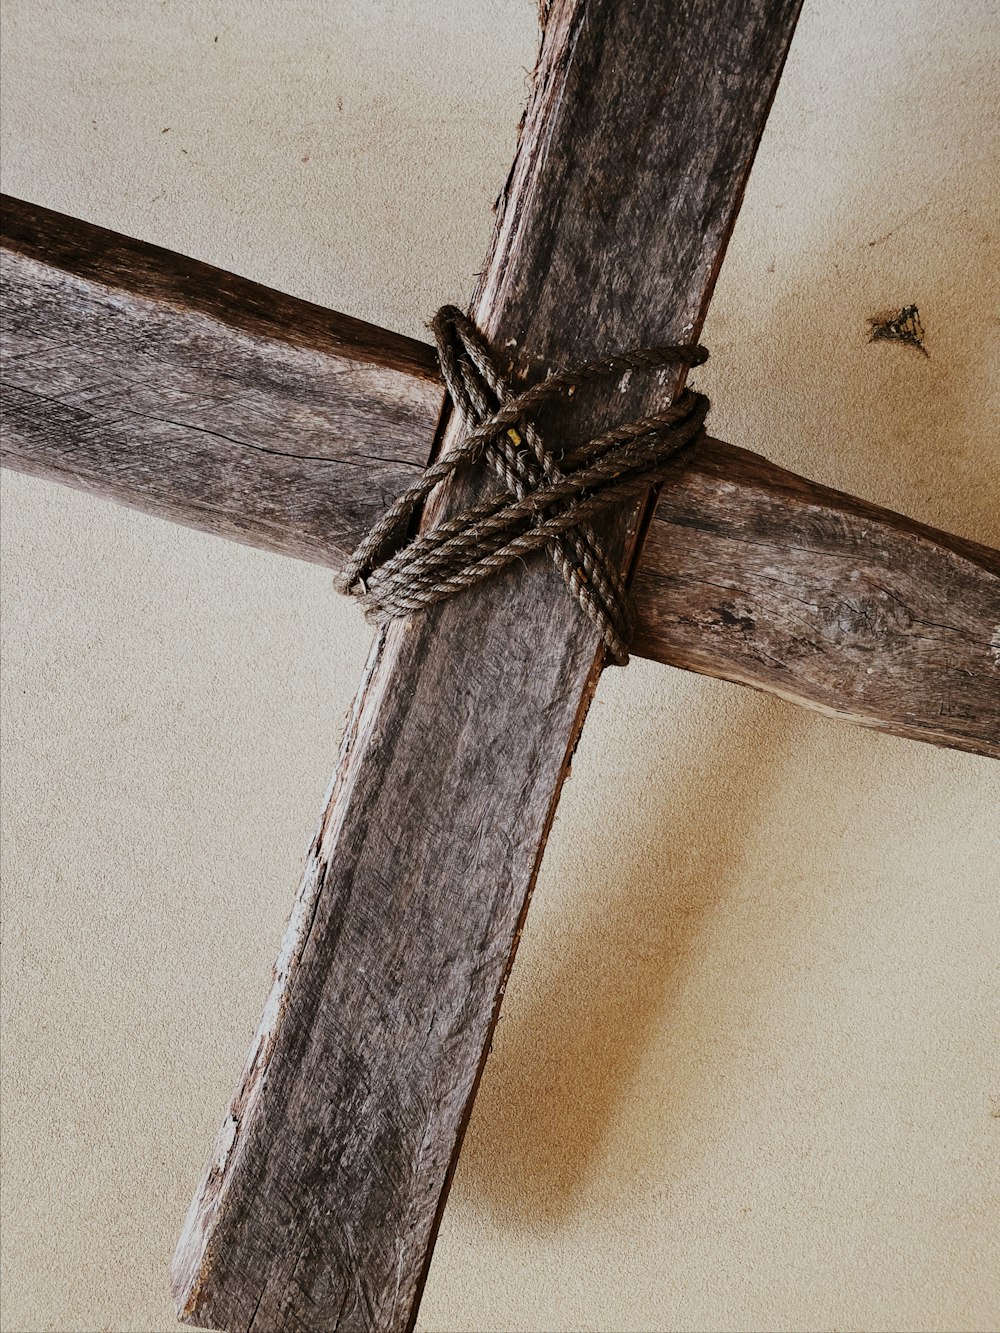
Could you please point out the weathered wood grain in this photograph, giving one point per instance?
(322, 1196)
(199, 396)
(752, 574)
(83, 309)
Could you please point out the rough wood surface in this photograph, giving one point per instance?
(752, 574)
(110, 383)
(199, 396)
(322, 1196)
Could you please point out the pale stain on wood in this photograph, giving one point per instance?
(752, 574)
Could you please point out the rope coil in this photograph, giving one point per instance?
(548, 499)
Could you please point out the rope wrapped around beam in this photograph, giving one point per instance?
(548, 498)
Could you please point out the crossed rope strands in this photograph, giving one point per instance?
(549, 499)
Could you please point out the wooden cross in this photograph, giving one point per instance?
(250, 414)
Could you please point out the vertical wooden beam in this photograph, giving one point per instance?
(323, 1194)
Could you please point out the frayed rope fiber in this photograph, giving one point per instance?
(548, 499)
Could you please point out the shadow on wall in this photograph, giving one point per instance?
(570, 1051)
(878, 419)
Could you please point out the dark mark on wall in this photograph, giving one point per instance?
(903, 327)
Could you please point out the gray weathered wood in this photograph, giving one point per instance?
(167, 384)
(750, 573)
(323, 1193)
(77, 307)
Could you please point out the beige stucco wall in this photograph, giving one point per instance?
(746, 1076)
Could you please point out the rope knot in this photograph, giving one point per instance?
(548, 499)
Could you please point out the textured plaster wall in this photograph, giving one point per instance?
(746, 1076)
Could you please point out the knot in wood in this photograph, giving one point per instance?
(547, 499)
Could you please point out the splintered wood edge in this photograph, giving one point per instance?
(187, 286)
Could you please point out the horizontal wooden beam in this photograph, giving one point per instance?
(198, 396)
(195, 395)
(753, 574)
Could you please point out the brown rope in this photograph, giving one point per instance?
(544, 502)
